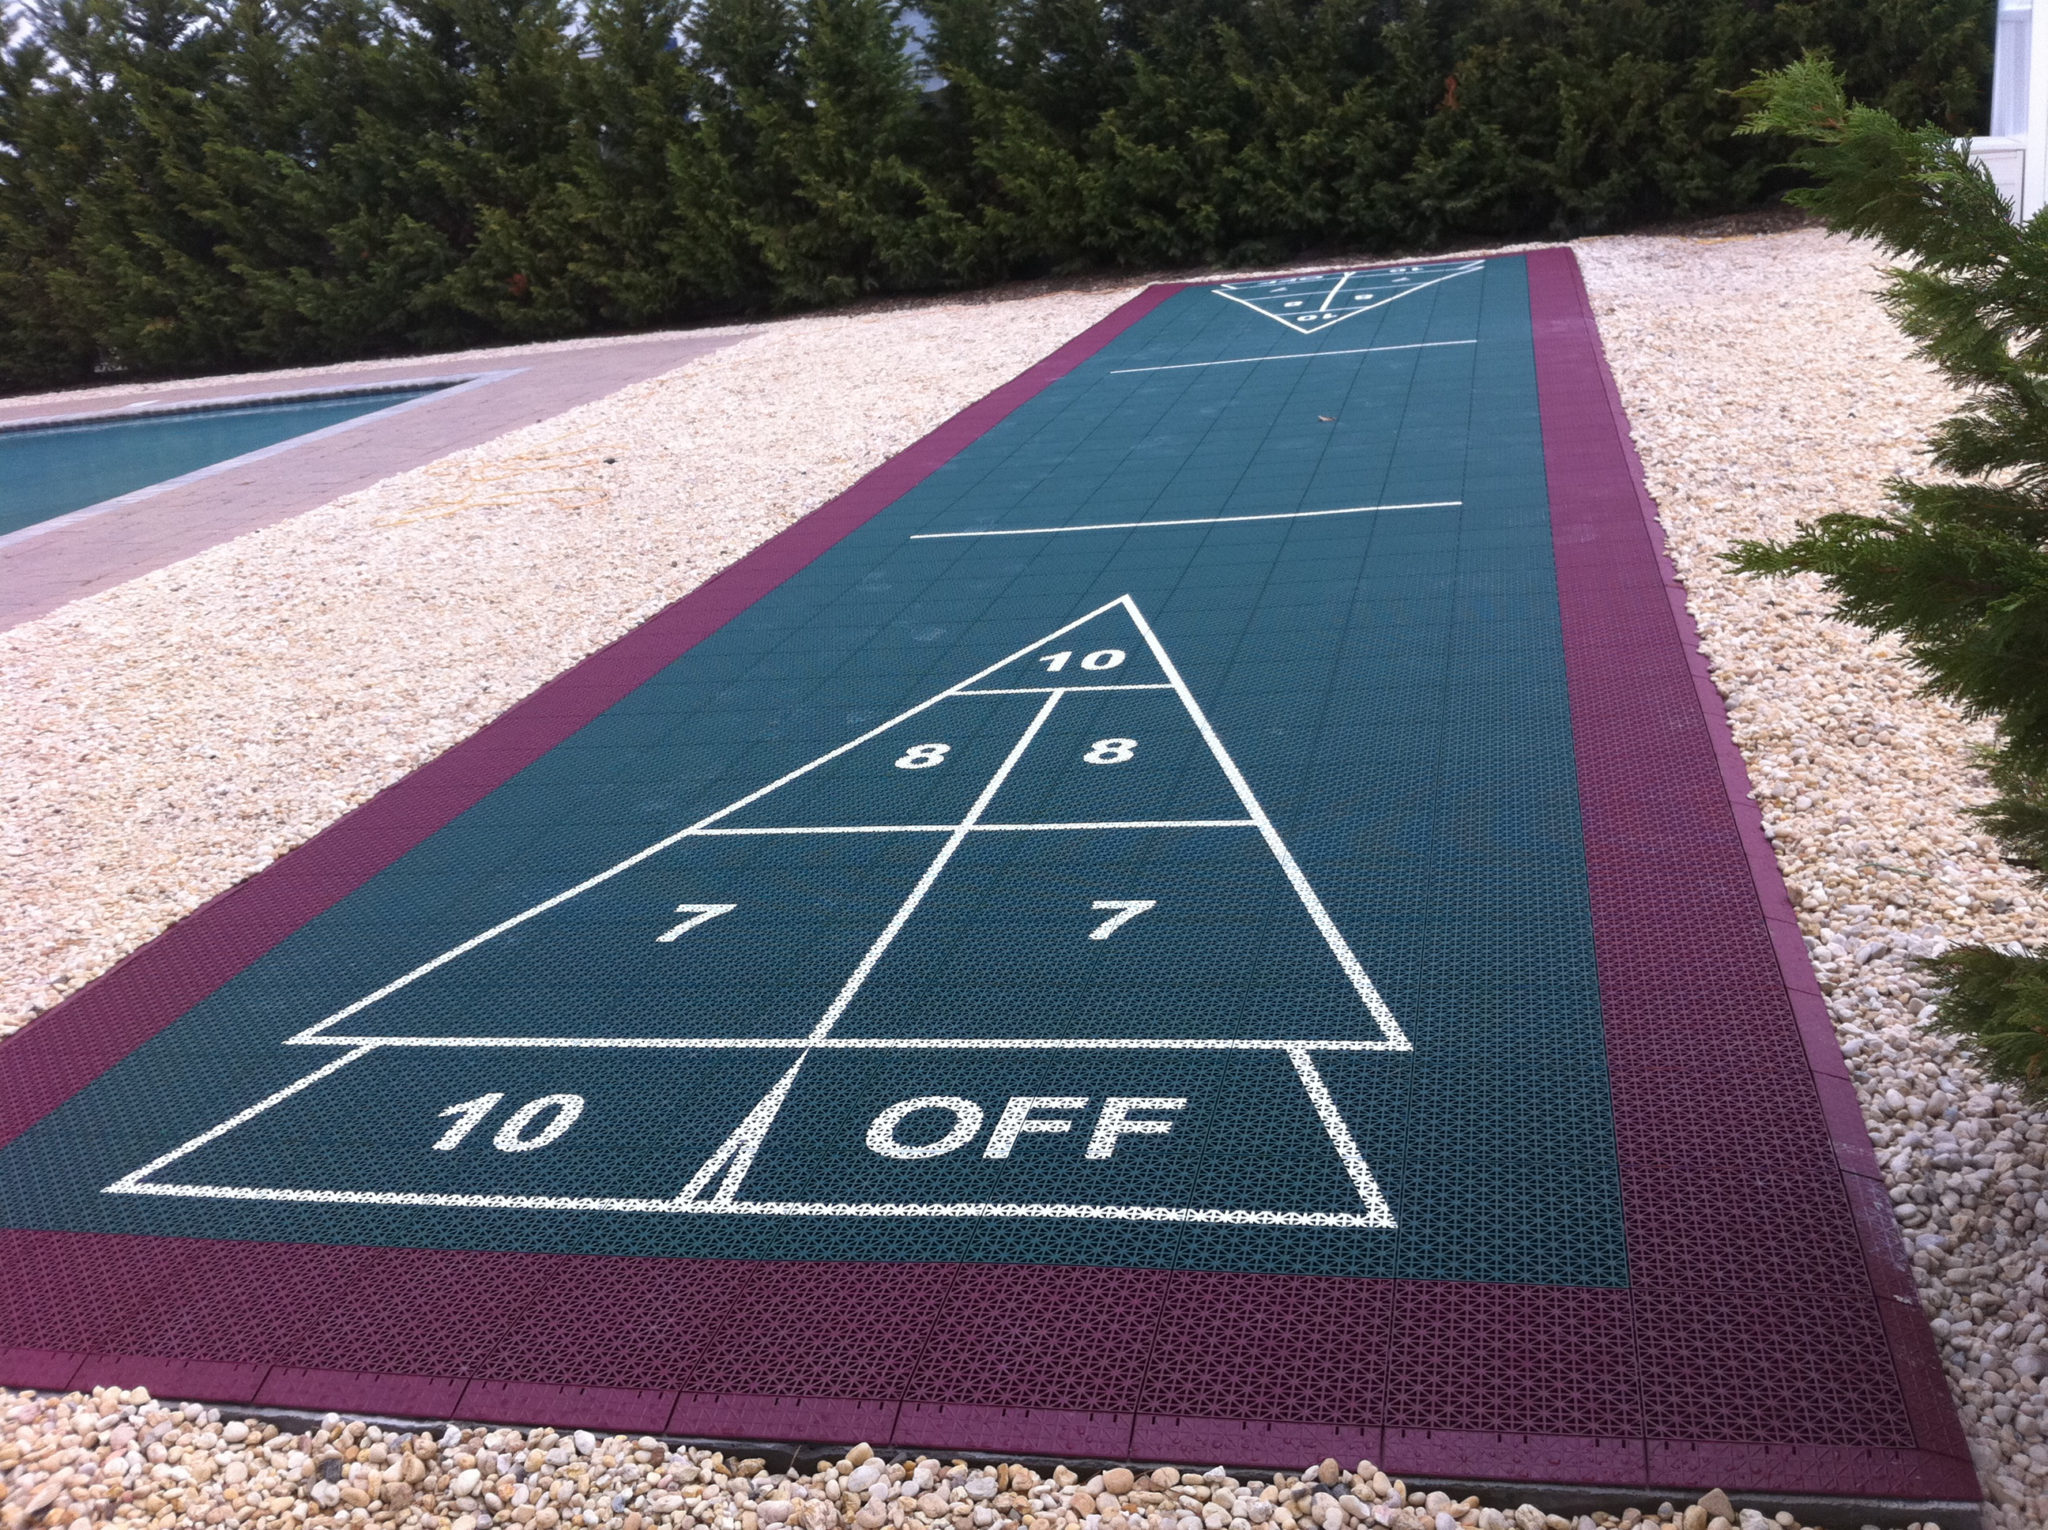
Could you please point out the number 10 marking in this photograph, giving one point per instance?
(561, 1110)
(1102, 658)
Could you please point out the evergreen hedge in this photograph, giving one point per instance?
(190, 184)
(1957, 564)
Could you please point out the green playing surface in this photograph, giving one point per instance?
(1152, 840)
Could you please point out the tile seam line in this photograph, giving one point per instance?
(1772, 900)
(1560, 325)
(713, 604)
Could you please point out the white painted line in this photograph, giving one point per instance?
(1279, 318)
(1246, 361)
(1332, 936)
(733, 1159)
(833, 828)
(739, 1149)
(931, 872)
(868, 1043)
(1377, 1211)
(133, 1180)
(1040, 690)
(699, 826)
(984, 828)
(1198, 520)
(1120, 823)
(1033, 1209)
(699, 913)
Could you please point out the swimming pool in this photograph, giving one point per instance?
(50, 470)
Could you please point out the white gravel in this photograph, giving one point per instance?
(121, 1457)
(176, 734)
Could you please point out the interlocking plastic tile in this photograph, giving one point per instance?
(1204, 911)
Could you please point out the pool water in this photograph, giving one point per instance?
(50, 470)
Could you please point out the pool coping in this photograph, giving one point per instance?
(107, 1019)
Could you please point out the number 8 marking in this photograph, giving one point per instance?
(923, 756)
(1110, 751)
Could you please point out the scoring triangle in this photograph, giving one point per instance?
(1311, 304)
(939, 768)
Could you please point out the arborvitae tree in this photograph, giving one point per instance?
(143, 258)
(501, 158)
(201, 183)
(46, 146)
(294, 78)
(743, 54)
(633, 99)
(1957, 566)
(849, 158)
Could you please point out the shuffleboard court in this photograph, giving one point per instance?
(1205, 912)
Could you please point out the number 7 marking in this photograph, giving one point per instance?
(700, 913)
(1130, 908)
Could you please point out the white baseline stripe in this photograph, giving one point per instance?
(1198, 520)
(995, 828)
(861, 1043)
(762, 1208)
(1040, 690)
(1245, 361)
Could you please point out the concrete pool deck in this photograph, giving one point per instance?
(71, 556)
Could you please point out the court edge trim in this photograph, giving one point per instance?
(1590, 457)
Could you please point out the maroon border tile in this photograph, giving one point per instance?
(624, 1410)
(46, 1370)
(1083, 1435)
(1508, 1457)
(360, 1392)
(165, 1376)
(1733, 935)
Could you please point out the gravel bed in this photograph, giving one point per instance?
(122, 1457)
(176, 734)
